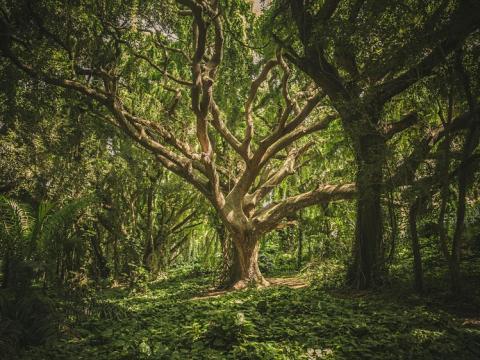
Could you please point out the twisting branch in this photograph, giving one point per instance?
(289, 167)
(157, 67)
(249, 104)
(203, 76)
(220, 126)
(289, 102)
(293, 133)
(405, 172)
(139, 132)
(463, 22)
(199, 184)
(278, 141)
(167, 137)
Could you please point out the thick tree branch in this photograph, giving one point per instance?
(203, 76)
(327, 10)
(278, 141)
(289, 167)
(293, 135)
(223, 130)
(267, 218)
(405, 172)
(393, 128)
(465, 20)
(199, 184)
(249, 104)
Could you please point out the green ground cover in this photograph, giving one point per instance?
(176, 319)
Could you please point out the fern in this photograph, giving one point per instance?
(15, 221)
(54, 222)
(44, 210)
(22, 237)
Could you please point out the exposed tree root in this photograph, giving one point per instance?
(291, 282)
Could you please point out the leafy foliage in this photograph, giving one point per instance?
(121, 122)
(171, 322)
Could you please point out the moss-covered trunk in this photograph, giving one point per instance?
(368, 266)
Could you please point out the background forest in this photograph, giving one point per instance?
(192, 179)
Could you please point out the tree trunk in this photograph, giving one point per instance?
(230, 266)
(247, 272)
(393, 228)
(300, 246)
(456, 280)
(464, 177)
(115, 257)
(101, 266)
(417, 257)
(149, 247)
(6, 269)
(367, 268)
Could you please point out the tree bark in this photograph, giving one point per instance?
(367, 267)
(230, 272)
(393, 228)
(464, 177)
(6, 268)
(417, 257)
(101, 266)
(149, 247)
(247, 246)
(300, 246)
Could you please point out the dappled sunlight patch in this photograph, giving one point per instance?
(471, 322)
(314, 354)
(425, 335)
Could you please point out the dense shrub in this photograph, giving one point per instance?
(26, 320)
(226, 330)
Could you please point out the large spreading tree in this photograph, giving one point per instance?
(136, 65)
(192, 83)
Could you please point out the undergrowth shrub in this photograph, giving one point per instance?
(197, 270)
(266, 262)
(138, 279)
(226, 330)
(79, 301)
(28, 319)
(258, 351)
(325, 273)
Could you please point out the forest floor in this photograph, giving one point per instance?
(293, 282)
(166, 320)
